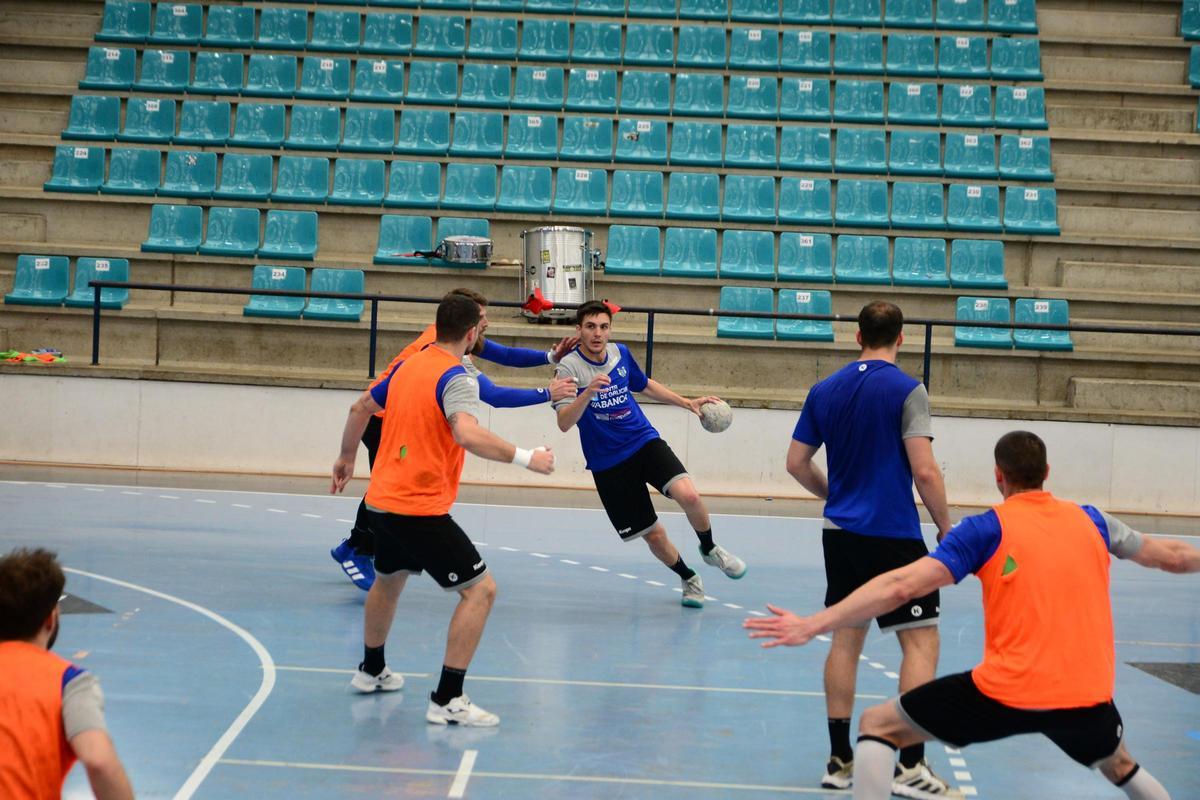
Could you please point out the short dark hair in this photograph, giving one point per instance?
(1021, 456)
(31, 582)
(590, 309)
(470, 294)
(455, 316)
(880, 323)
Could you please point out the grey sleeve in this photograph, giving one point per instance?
(1123, 541)
(470, 367)
(83, 705)
(915, 419)
(461, 396)
(564, 369)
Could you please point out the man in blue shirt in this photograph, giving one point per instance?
(625, 453)
(874, 423)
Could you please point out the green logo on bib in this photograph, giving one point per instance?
(1010, 566)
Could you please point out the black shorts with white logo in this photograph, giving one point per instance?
(623, 489)
(852, 559)
(953, 710)
(432, 544)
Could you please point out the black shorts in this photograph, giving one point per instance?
(433, 544)
(371, 436)
(953, 710)
(852, 559)
(623, 488)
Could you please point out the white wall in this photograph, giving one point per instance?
(205, 426)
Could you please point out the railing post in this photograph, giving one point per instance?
(374, 335)
(928, 354)
(649, 344)
(95, 325)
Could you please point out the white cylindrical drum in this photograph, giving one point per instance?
(558, 260)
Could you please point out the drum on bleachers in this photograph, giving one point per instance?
(560, 261)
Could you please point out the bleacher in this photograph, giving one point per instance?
(756, 154)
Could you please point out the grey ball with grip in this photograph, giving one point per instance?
(716, 417)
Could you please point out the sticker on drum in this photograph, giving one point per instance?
(550, 271)
(545, 256)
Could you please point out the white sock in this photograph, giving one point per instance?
(1139, 786)
(874, 764)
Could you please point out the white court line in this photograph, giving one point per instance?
(877, 665)
(135, 494)
(205, 500)
(539, 555)
(892, 675)
(240, 505)
(1181, 645)
(509, 549)
(569, 561)
(656, 583)
(277, 510)
(172, 497)
(627, 575)
(311, 516)
(599, 569)
(92, 489)
(211, 758)
(459, 787)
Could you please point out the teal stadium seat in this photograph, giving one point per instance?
(858, 12)
(633, 250)
(124, 21)
(1013, 16)
(405, 233)
(968, 105)
(977, 264)
(805, 148)
(109, 68)
(912, 54)
(908, 14)
(478, 134)
(750, 146)
(749, 198)
(861, 150)
(147, 120)
(369, 129)
(324, 78)
(1189, 20)
(1021, 107)
(862, 259)
(690, 253)
(587, 139)
(963, 57)
(688, 9)
(693, 195)
(755, 11)
(314, 128)
(915, 153)
(805, 301)
(858, 51)
(963, 14)
(174, 229)
(76, 169)
(437, 4)
(388, 34)
(806, 257)
(912, 103)
(231, 232)
(40, 281)
(470, 186)
(302, 179)
(858, 101)
(177, 23)
(89, 269)
(95, 117)
(189, 173)
(414, 184)
(245, 177)
(164, 71)
(204, 122)
(525, 189)
(432, 83)
(805, 99)
(338, 31)
(270, 75)
(488, 85)
(973, 208)
(699, 94)
(1029, 210)
(643, 141)
(919, 262)
(971, 155)
(276, 278)
(441, 36)
(862, 203)
(806, 51)
(259, 125)
(604, 8)
(636, 193)
(696, 143)
(1025, 158)
(580, 191)
(651, 44)
(538, 87)
(229, 26)
(699, 46)
(590, 89)
(982, 309)
(342, 281)
(357, 182)
(753, 49)
(217, 73)
(918, 206)
(741, 298)
(753, 96)
(549, 6)
(805, 11)
(290, 234)
(282, 29)
(1016, 59)
(545, 40)
(135, 171)
(747, 255)
(1042, 312)
(493, 38)
(806, 201)
(600, 42)
(645, 92)
(378, 81)
(532, 136)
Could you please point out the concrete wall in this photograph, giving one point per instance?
(202, 426)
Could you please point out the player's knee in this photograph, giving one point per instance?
(483, 592)
(656, 536)
(873, 721)
(684, 493)
(1117, 767)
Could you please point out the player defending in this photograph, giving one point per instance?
(411, 490)
(625, 453)
(1049, 656)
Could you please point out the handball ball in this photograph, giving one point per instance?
(716, 417)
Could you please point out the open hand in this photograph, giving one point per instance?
(562, 388)
(564, 346)
(782, 628)
(343, 471)
(695, 405)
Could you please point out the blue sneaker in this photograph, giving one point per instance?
(358, 568)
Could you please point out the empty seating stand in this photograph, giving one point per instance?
(633, 250)
(174, 229)
(136, 171)
(414, 184)
(231, 232)
(977, 264)
(862, 259)
(276, 278)
(402, 235)
(125, 21)
(76, 169)
(804, 301)
(1041, 312)
(290, 235)
(747, 255)
(88, 269)
(982, 309)
(806, 257)
(96, 117)
(40, 281)
(690, 253)
(741, 298)
(342, 281)
(301, 179)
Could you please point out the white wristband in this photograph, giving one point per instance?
(522, 457)
(550, 356)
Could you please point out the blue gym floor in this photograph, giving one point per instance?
(226, 638)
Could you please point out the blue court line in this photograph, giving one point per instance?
(1195, 735)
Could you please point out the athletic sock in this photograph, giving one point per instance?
(874, 762)
(839, 739)
(911, 756)
(372, 662)
(683, 570)
(450, 686)
(706, 542)
(1141, 785)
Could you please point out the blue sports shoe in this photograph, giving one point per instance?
(358, 568)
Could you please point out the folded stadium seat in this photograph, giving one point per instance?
(915, 153)
(231, 232)
(369, 129)
(99, 269)
(1021, 107)
(919, 262)
(414, 184)
(754, 11)
(699, 46)
(1042, 312)
(40, 281)
(146, 120)
(753, 96)
(404, 233)
(644, 141)
(174, 229)
(282, 29)
(982, 309)
(591, 89)
(688, 9)
(696, 143)
(908, 14)
(752, 48)
(302, 179)
(526, 189)
(1025, 158)
(806, 201)
(977, 264)
(1029, 210)
(314, 128)
(229, 26)
(963, 57)
(109, 68)
(750, 146)
(538, 87)
(279, 278)
(164, 71)
(245, 177)
(488, 85)
(632, 249)
(645, 92)
(806, 11)
(912, 103)
(690, 253)
(805, 148)
(967, 105)
(806, 257)
(858, 12)
(339, 31)
(177, 23)
(581, 191)
(1016, 59)
(456, 4)
(216, 72)
(324, 78)
(270, 75)
(804, 98)
(344, 281)
(1013, 16)
(971, 155)
(76, 169)
(861, 150)
(389, 34)
(862, 203)
(133, 171)
(532, 136)
(545, 40)
(357, 182)
(259, 125)
(290, 234)
(378, 81)
(963, 14)
(493, 38)
(693, 195)
(1189, 20)
(478, 134)
(124, 21)
(587, 139)
(699, 94)
(549, 6)
(973, 208)
(470, 186)
(749, 198)
(913, 54)
(204, 122)
(95, 117)
(804, 301)
(806, 51)
(189, 173)
(600, 42)
(858, 51)
(862, 259)
(440, 36)
(651, 44)
(636, 193)
(603, 8)
(747, 255)
(433, 83)
(858, 101)
(742, 298)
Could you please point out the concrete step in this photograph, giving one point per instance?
(1118, 277)
(1103, 67)
(1083, 19)
(1180, 398)
(1148, 223)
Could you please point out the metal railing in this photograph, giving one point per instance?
(650, 311)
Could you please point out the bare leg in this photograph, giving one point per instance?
(466, 626)
(684, 492)
(841, 671)
(918, 662)
(661, 546)
(380, 607)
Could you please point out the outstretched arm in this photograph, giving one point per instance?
(524, 357)
(356, 423)
(801, 467)
(656, 391)
(498, 396)
(1169, 555)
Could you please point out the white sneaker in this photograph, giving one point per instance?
(460, 711)
(725, 561)
(921, 783)
(693, 592)
(386, 681)
(838, 774)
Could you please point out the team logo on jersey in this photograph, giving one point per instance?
(621, 371)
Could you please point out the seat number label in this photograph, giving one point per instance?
(974, 191)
